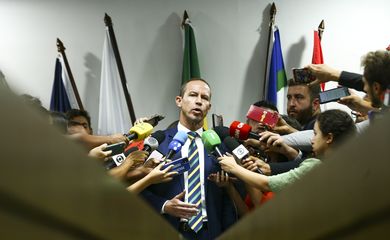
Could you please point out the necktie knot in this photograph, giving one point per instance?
(192, 135)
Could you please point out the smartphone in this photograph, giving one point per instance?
(116, 148)
(217, 120)
(333, 94)
(303, 75)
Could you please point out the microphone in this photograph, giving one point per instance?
(118, 159)
(151, 143)
(242, 131)
(222, 132)
(153, 120)
(139, 131)
(175, 145)
(211, 141)
(238, 150)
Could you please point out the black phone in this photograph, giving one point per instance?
(333, 94)
(303, 75)
(116, 148)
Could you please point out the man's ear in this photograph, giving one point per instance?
(377, 88)
(315, 104)
(178, 100)
(329, 138)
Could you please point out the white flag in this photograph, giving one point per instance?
(113, 113)
(68, 85)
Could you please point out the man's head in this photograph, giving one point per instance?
(194, 103)
(302, 101)
(376, 75)
(257, 126)
(79, 121)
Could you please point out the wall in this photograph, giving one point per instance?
(231, 39)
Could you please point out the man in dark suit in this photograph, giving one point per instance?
(196, 207)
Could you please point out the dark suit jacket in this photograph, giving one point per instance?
(351, 80)
(220, 209)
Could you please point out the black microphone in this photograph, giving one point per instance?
(151, 143)
(238, 150)
(153, 120)
(118, 159)
(222, 132)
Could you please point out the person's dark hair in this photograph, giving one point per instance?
(34, 102)
(59, 120)
(377, 68)
(292, 122)
(266, 104)
(336, 122)
(183, 87)
(77, 112)
(314, 90)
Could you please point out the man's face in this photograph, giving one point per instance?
(257, 127)
(299, 105)
(79, 124)
(195, 103)
(373, 93)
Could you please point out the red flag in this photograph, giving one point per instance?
(317, 53)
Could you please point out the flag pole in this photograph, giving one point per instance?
(321, 29)
(61, 49)
(185, 17)
(108, 22)
(271, 24)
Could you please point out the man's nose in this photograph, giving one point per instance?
(199, 100)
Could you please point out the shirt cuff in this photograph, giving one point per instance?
(162, 208)
(299, 157)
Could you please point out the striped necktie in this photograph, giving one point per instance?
(194, 190)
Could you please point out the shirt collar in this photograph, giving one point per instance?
(180, 127)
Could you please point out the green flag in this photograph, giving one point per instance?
(190, 57)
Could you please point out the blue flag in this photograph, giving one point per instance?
(59, 98)
(277, 80)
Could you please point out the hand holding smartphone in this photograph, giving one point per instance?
(333, 94)
(303, 75)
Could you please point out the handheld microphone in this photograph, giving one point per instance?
(153, 120)
(222, 132)
(139, 131)
(151, 143)
(242, 131)
(238, 150)
(175, 145)
(118, 159)
(211, 141)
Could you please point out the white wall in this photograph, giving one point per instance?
(231, 50)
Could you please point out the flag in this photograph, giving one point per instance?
(277, 80)
(317, 53)
(190, 57)
(62, 94)
(112, 102)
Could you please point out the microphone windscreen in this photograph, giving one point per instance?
(210, 140)
(142, 130)
(222, 132)
(231, 143)
(181, 137)
(159, 136)
(240, 130)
